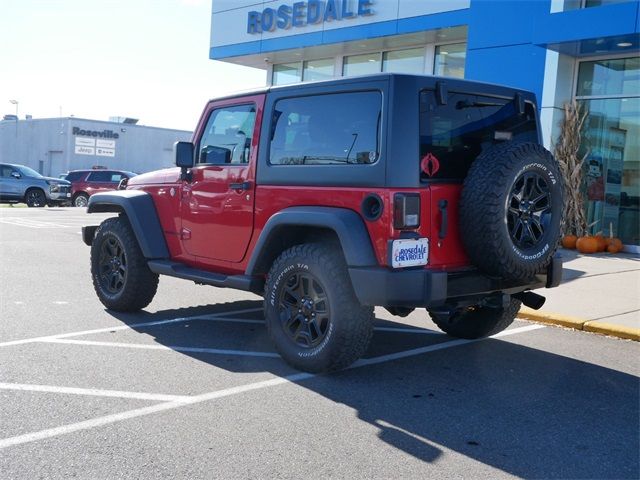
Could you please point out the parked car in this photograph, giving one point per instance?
(330, 198)
(20, 184)
(85, 183)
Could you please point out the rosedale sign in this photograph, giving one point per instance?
(311, 12)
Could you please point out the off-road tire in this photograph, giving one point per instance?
(477, 321)
(114, 240)
(80, 200)
(350, 325)
(487, 211)
(35, 197)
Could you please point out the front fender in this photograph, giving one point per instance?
(347, 224)
(139, 208)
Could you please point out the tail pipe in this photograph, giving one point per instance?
(530, 299)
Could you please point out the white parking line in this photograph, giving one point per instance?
(213, 317)
(423, 331)
(438, 346)
(23, 222)
(93, 392)
(140, 412)
(176, 348)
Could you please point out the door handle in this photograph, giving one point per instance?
(240, 186)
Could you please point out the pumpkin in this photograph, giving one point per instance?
(602, 242)
(614, 245)
(569, 241)
(587, 244)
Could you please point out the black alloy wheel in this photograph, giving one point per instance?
(112, 265)
(119, 270)
(511, 210)
(312, 313)
(304, 310)
(528, 210)
(36, 198)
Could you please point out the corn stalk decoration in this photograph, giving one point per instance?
(571, 166)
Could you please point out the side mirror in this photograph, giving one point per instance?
(183, 152)
(16, 175)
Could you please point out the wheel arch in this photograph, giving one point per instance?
(140, 211)
(34, 187)
(297, 225)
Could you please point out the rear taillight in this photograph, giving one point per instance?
(406, 210)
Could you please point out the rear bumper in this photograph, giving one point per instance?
(381, 286)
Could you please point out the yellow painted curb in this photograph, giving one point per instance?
(619, 331)
(552, 318)
(594, 326)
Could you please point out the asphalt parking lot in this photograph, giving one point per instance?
(192, 388)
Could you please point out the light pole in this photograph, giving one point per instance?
(15, 102)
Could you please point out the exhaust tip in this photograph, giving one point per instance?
(530, 299)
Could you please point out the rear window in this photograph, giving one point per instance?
(330, 129)
(453, 135)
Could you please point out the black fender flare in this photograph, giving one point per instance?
(347, 225)
(139, 208)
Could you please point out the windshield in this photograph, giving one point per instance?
(28, 172)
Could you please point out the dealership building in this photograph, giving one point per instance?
(561, 50)
(53, 146)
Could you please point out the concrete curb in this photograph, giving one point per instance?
(576, 323)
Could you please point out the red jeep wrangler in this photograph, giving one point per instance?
(330, 198)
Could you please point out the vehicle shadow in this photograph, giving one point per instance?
(516, 408)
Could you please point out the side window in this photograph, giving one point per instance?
(5, 171)
(340, 129)
(99, 176)
(227, 137)
(115, 177)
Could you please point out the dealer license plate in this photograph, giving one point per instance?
(409, 253)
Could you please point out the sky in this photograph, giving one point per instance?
(146, 59)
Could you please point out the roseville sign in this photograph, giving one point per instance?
(94, 133)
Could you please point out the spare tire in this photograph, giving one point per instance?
(510, 210)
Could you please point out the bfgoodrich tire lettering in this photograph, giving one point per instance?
(120, 274)
(312, 314)
(510, 210)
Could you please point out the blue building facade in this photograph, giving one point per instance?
(562, 50)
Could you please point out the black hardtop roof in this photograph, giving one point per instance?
(426, 81)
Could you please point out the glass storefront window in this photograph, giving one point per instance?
(611, 140)
(286, 73)
(361, 64)
(619, 76)
(599, 3)
(318, 69)
(404, 61)
(450, 60)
